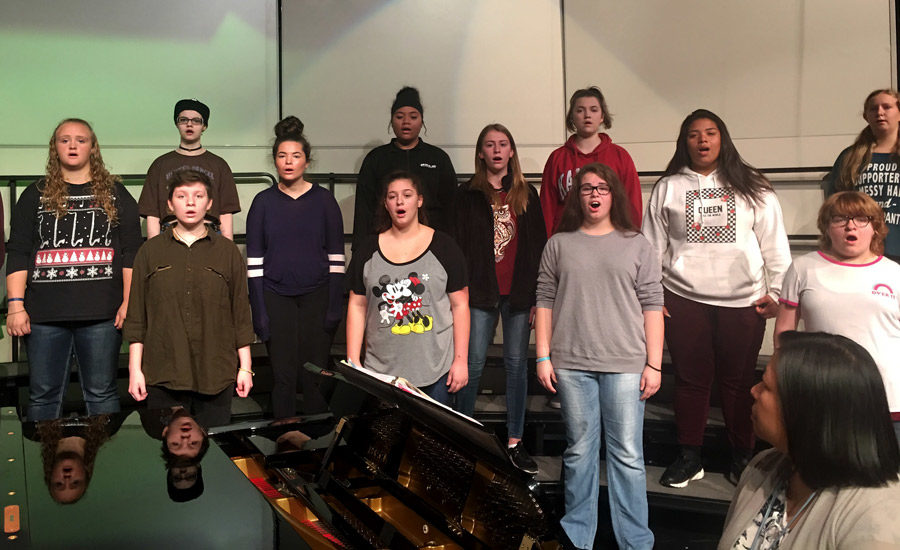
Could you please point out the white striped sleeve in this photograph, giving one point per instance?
(254, 267)
(336, 263)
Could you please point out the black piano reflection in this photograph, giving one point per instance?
(391, 470)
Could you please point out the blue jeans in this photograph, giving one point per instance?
(50, 346)
(592, 401)
(438, 390)
(515, 358)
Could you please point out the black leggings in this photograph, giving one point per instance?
(297, 336)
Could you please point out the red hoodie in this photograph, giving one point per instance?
(563, 165)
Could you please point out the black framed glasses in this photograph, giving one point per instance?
(183, 120)
(588, 190)
(859, 221)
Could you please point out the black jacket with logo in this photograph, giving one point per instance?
(428, 162)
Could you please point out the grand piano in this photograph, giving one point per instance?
(386, 469)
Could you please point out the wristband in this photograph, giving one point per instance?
(247, 370)
(539, 359)
(652, 367)
(15, 299)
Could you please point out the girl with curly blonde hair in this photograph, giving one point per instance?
(73, 237)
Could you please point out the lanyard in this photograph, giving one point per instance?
(767, 516)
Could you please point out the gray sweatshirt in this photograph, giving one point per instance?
(598, 288)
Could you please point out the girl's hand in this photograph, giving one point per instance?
(546, 376)
(458, 376)
(650, 382)
(137, 386)
(244, 383)
(120, 315)
(18, 323)
(766, 307)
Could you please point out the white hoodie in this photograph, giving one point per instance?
(716, 247)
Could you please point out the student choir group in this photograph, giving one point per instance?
(435, 267)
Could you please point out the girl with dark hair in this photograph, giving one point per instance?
(587, 114)
(73, 238)
(498, 225)
(605, 371)
(848, 274)
(717, 227)
(871, 164)
(406, 152)
(408, 296)
(831, 480)
(295, 265)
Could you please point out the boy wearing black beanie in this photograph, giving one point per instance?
(191, 119)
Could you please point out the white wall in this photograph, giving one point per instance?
(787, 76)
(475, 62)
(122, 65)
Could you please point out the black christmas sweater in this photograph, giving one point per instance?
(74, 263)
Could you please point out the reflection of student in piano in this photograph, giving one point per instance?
(181, 435)
(418, 276)
(184, 444)
(68, 450)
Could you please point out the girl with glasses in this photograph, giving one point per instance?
(871, 164)
(847, 287)
(604, 369)
(718, 229)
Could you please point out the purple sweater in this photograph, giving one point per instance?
(294, 246)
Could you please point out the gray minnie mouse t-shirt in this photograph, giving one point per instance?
(409, 327)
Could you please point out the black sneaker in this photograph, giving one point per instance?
(521, 459)
(739, 461)
(685, 469)
(553, 402)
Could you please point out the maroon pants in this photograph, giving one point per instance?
(707, 341)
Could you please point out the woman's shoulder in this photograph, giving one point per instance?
(35, 188)
(442, 241)
(367, 248)
(378, 152)
(763, 469)
(430, 149)
(121, 191)
(319, 193)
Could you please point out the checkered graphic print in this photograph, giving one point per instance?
(697, 233)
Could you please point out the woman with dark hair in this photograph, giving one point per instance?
(587, 113)
(871, 164)
(408, 296)
(717, 226)
(408, 152)
(849, 274)
(499, 227)
(73, 239)
(295, 265)
(598, 262)
(831, 480)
